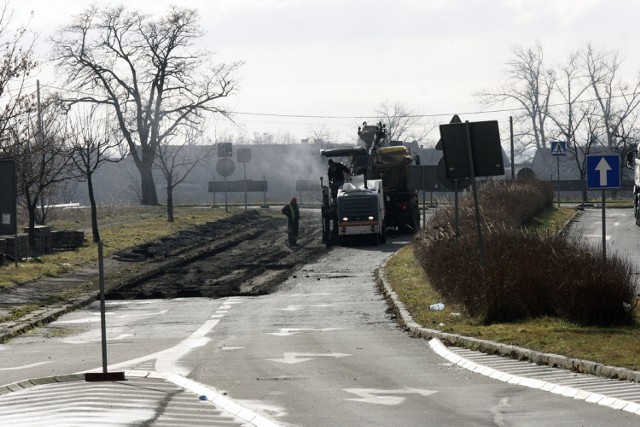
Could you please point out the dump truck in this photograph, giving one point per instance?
(377, 160)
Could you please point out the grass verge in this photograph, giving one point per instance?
(120, 228)
(615, 346)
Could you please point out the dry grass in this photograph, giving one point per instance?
(616, 346)
(120, 228)
(518, 273)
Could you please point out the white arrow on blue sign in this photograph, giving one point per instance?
(603, 171)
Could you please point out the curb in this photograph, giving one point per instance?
(491, 347)
(23, 385)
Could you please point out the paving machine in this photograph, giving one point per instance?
(378, 173)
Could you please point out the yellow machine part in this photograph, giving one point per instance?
(393, 155)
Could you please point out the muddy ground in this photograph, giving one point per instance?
(245, 254)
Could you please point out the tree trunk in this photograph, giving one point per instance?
(148, 185)
(170, 203)
(94, 210)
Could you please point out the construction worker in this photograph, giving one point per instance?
(292, 212)
(336, 176)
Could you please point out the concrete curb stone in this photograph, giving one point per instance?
(23, 385)
(490, 347)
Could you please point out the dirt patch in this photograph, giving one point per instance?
(244, 254)
(251, 259)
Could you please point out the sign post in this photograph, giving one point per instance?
(244, 157)
(558, 148)
(603, 172)
(225, 167)
(472, 149)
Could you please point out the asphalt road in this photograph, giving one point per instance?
(620, 231)
(322, 350)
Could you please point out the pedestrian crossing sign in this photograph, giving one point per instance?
(558, 148)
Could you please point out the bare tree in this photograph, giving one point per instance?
(147, 71)
(42, 158)
(16, 62)
(529, 88)
(617, 101)
(177, 160)
(94, 142)
(322, 135)
(402, 122)
(573, 112)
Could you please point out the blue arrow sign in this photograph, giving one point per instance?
(603, 171)
(558, 148)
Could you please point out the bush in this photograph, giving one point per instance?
(525, 275)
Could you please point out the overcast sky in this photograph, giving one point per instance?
(338, 60)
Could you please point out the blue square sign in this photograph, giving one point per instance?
(558, 148)
(603, 171)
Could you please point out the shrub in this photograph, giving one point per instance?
(525, 275)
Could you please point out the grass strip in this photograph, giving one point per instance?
(619, 346)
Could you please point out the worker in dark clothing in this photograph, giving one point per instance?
(292, 212)
(336, 176)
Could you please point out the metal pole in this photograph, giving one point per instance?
(455, 207)
(424, 199)
(102, 308)
(245, 185)
(513, 164)
(14, 214)
(604, 230)
(264, 193)
(558, 163)
(475, 195)
(226, 206)
(15, 242)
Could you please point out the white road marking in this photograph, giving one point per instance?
(293, 358)
(92, 319)
(385, 397)
(157, 313)
(597, 236)
(31, 365)
(318, 294)
(166, 367)
(116, 303)
(302, 307)
(293, 331)
(439, 348)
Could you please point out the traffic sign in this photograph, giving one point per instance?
(8, 224)
(244, 155)
(603, 171)
(225, 167)
(558, 148)
(225, 149)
